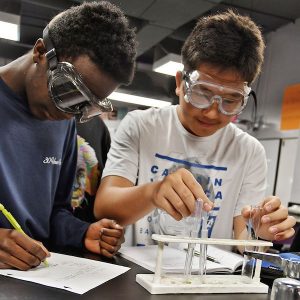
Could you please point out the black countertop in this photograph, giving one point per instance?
(123, 287)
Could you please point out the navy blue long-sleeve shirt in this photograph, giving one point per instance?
(37, 167)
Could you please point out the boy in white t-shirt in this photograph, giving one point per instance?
(166, 158)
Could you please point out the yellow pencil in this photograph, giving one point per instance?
(15, 224)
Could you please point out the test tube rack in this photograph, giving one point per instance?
(159, 283)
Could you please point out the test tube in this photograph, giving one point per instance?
(256, 214)
(203, 247)
(253, 225)
(193, 225)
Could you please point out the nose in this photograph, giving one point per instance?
(212, 112)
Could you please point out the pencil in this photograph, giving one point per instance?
(15, 224)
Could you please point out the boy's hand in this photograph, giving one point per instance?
(177, 192)
(275, 223)
(104, 237)
(19, 251)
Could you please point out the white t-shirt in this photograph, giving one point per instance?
(230, 165)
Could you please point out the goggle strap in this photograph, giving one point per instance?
(51, 53)
(255, 106)
(52, 59)
(185, 76)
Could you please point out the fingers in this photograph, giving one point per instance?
(275, 223)
(110, 246)
(196, 190)
(106, 253)
(170, 209)
(104, 237)
(34, 248)
(246, 212)
(15, 256)
(275, 215)
(173, 204)
(93, 245)
(177, 194)
(279, 223)
(284, 235)
(114, 233)
(20, 251)
(109, 223)
(13, 262)
(112, 237)
(100, 246)
(44, 249)
(4, 266)
(271, 203)
(184, 202)
(110, 241)
(284, 229)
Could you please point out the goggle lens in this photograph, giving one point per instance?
(201, 97)
(66, 96)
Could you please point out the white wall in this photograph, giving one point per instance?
(272, 151)
(295, 193)
(281, 68)
(285, 172)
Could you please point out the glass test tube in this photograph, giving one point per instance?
(203, 247)
(193, 224)
(253, 226)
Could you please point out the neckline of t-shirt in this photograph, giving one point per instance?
(192, 136)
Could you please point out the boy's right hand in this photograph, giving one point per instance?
(19, 251)
(177, 192)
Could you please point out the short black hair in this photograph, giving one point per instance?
(101, 31)
(226, 40)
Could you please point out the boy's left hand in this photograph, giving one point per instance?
(275, 224)
(104, 237)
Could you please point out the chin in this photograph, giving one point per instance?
(204, 133)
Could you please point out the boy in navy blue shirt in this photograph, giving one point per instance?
(86, 52)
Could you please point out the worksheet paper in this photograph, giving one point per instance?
(74, 274)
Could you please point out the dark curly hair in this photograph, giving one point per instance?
(226, 40)
(99, 30)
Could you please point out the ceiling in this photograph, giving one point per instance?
(161, 25)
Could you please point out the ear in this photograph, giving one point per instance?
(39, 50)
(178, 79)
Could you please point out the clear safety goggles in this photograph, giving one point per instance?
(67, 89)
(201, 91)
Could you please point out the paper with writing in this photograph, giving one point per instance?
(75, 274)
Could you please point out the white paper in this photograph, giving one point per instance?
(74, 274)
(174, 259)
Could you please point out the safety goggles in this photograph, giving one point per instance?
(67, 89)
(201, 91)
